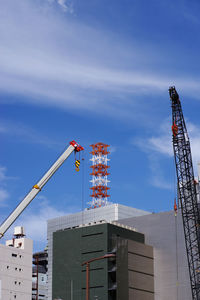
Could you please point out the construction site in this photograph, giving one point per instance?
(110, 251)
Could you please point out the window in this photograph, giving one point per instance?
(14, 255)
(15, 282)
(16, 269)
(8, 267)
(20, 269)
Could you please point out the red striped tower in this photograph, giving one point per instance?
(99, 175)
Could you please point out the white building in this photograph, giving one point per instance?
(16, 267)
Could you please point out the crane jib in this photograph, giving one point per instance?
(38, 186)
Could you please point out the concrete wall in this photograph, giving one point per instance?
(16, 270)
(140, 271)
(160, 232)
(135, 274)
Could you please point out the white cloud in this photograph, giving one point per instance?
(162, 143)
(34, 220)
(4, 194)
(194, 134)
(27, 134)
(112, 149)
(2, 129)
(62, 3)
(65, 5)
(61, 62)
(160, 146)
(157, 177)
(2, 174)
(159, 182)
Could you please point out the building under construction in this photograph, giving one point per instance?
(170, 275)
(160, 273)
(39, 275)
(109, 213)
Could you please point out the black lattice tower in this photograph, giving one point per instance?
(187, 192)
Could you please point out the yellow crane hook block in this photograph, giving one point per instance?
(77, 164)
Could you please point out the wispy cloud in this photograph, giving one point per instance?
(27, 134)
(3, 176)
(112, 149)
(4, 194)
(190, 11)
(75, 66)
(66, 5)
(35, 219)
(157, 177)
(159, 147)
(162, 143)
(194, 134)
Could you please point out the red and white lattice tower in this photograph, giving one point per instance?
(99, 175)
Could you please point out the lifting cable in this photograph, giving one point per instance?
(77, 165)
(81, 161)
(82, 207)
(176, 235)
(83, 185)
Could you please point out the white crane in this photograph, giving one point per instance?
(38, 186)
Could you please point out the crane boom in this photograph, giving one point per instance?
(187, 192)
(38, 186)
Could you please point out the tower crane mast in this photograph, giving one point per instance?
(187, 192)
(37, 187)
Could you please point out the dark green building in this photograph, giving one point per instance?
(129, 275)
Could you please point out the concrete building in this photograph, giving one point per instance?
(129, 275)
(16, 268)
(40, 279)
(164, 232)
(108, 213)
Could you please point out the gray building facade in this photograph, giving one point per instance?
(164, 232)
(108, 213)
(129, 275)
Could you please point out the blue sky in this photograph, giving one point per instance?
(94, 71)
